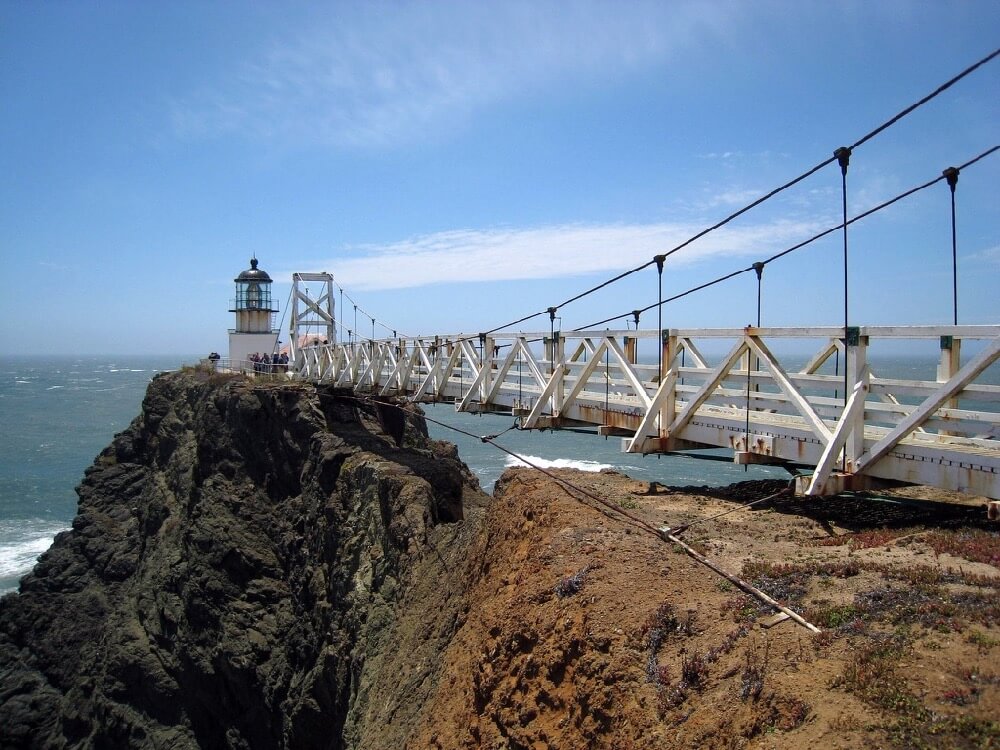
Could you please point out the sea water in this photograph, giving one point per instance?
(58, 413)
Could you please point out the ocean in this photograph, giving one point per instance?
(58, 413)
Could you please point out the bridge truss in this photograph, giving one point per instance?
(831, 411)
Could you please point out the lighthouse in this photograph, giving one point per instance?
(254, 331)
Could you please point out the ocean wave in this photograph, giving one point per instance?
(559, 463)
(20, 551)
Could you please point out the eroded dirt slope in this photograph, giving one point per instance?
(585, 631)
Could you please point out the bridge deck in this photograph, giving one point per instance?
(943, 432)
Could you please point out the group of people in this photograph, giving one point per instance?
(269, 363)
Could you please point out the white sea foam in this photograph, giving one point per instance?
(559, 463)
(19, 551)
(54, 387)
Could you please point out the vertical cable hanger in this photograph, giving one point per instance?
(659, 318)
(607, 383)
(951, 175)
(843, 155)
(759, 269)
(520, 395)
(552, 339)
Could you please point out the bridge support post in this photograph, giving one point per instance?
(951, 355)
(558, 372)
(668, 406)
(404, 372)
(630, 348)
(294, 354)
(856, 362)
(487, 364)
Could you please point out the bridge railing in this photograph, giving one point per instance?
(748, 389)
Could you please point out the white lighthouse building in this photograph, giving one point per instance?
(255, 313)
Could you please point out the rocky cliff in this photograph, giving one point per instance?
(284, 566)
(237, 576)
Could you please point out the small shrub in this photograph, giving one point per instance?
(982, 641)
(833, 616)
(663, 623)
(572, 584)
(925, 605)
(694, 669)
(792, 712)
(871, 675)
(743, 608)
(961, 697)
(864, 539)
(974, 545)
(948, 731)
(728, 643)
(754, 672)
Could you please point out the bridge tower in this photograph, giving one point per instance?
(312, 318)
(254, 331)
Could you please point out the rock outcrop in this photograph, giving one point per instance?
(238, 575)
(287, 566)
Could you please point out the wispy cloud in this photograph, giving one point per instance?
(545, 252)
(990, 256)
(730, 198)
(373, 74)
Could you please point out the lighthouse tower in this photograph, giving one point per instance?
(254, 331)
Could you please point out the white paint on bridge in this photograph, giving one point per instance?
(943, 432)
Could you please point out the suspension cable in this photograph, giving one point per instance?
(808, 173)
(802, 244)
(940, 89)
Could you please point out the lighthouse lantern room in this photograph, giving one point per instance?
(254, 331)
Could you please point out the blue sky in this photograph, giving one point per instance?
(458, 165)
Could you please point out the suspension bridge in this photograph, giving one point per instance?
(833, 413)
(943, 432)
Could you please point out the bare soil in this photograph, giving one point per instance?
(584, 629)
